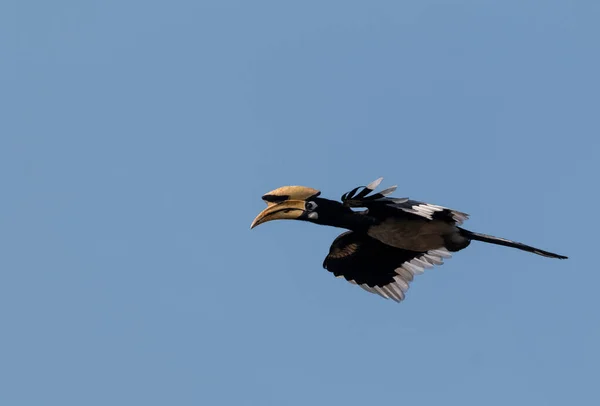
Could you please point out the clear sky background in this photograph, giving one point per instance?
(136, 138)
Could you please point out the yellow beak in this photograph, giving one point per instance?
(288, 210)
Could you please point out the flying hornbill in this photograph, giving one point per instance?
(389, 242)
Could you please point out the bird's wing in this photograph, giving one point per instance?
(377, 267)
(361, 197)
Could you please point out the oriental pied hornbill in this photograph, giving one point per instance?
(389, 243)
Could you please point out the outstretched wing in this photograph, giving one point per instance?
(361, 197)
(377, 267)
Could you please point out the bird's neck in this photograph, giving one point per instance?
(340, 216)
(355, 221)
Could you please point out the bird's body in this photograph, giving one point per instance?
(388, 242)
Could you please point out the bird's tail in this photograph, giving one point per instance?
(507, 243)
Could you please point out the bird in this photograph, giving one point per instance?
(388, 240)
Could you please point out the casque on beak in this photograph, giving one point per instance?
(287, 210)
(285, 203)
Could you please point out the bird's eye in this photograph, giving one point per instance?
(310, 206)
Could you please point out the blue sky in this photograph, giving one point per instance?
(137, 139)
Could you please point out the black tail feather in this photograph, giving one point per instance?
(507, 243)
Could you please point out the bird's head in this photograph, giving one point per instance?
(289, 203)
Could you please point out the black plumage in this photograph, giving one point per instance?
(390, 240)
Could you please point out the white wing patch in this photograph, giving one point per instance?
(405, 274)
(428, 210)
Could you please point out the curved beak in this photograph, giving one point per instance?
(288, 210)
